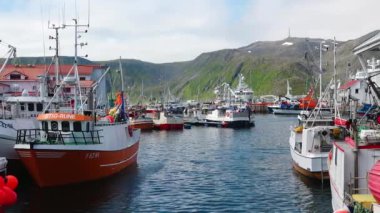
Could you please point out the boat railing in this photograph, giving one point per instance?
(355, 190)
(111, 124)
(39, 136)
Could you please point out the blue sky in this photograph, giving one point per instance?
(237, 9)
(170, 30)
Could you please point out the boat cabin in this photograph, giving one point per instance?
(65, 122)
(22, 107)
(61, 128)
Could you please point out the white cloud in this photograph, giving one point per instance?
(168, 30)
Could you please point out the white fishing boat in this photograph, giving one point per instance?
(230, 117)
(311, 141)
(243, 93)
(18, 113)
(354, 162)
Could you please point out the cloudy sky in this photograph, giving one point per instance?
(177, 30)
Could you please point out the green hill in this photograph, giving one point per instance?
(265, 64)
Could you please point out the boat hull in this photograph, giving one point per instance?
(142, 125)
(8, 133)
(313, 165)
(6, 147)
(286, 111)
(168, 126)
(231, 124)
(307, 173)
(50, 167)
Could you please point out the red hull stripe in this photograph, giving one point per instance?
(121, 162)
(169, 126)
(337, 146)
(142, 126)
(351, 142)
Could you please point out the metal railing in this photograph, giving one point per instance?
(34, 136)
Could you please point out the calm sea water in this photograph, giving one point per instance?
(197, 170)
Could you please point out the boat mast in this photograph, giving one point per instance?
(320, 69)
(335, 81)
(76, 75)
(121, 75)
(122, 113)
(56, 56)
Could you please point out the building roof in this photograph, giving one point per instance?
(33, 71)
(348, 84)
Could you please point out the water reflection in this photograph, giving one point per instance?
(85, 197)
(200, 169)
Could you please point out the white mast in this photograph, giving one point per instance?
(320, 68)
(76, 75)
(335, 81)
(56, 56)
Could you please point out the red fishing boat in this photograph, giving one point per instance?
(72, 148)
(167, 121)
(142, 123)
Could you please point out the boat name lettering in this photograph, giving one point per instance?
(60, 116)
(5, 125)
(92, 155)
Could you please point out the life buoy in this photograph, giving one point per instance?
(130, 130)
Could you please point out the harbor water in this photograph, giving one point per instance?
(202, 169)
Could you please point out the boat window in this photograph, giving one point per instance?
(88, 126)
(22, 106)
(65, 126)
(45, 126)
(77, 126)
(30, 106)
(39, 107)
(54, 125)
(336, 155)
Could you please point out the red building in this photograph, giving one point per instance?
(16, 78)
